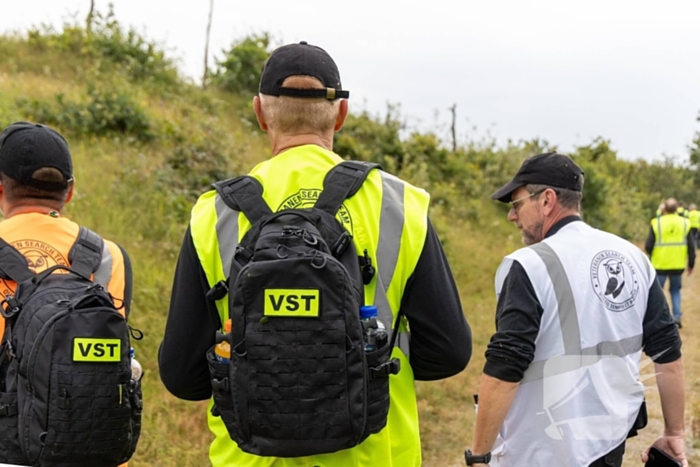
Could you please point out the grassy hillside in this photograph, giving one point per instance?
(146, 143)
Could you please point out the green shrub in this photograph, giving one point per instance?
(101, 112)
(239, 72)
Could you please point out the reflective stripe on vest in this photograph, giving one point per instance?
(104, 271)
(391, 225)
(670, 248)
(226, 228)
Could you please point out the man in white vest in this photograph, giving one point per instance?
(576, 307)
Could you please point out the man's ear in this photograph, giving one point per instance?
(549, 200)
(342, 115)
(69, 195)
(257, 108)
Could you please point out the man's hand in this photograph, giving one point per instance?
(674, 446)
(689, 271)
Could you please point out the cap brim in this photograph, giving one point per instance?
(503, 193)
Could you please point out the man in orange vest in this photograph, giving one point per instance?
(36, 182)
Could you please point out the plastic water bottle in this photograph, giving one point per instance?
(375, 336)
(222, 350)
(136, 370)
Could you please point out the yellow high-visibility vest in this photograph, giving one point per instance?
(388, 218)
(694, 217)
(670, 248)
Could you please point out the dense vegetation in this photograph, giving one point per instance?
(147, 142)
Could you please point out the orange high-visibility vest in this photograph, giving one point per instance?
(45, 241)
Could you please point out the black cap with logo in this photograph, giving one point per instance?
(550, 169)
(26, 147)
(301, 59)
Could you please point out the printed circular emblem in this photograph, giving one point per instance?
(306, 198)
(40, 256)
(614, 280)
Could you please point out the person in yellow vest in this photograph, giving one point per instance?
(672, 251)
(36, 182)
(681, 211)
(301, 104)
(694, 217)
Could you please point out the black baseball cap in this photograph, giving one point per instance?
(26, 147)
(550, 169)
(302, 59)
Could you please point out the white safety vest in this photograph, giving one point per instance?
(581, 394)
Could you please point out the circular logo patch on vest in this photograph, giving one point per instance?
(306, 198)
(40, 256)
(614, 280)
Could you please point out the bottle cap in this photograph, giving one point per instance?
(368, 311)
(227, 325)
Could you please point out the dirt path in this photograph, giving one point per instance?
(690, 333)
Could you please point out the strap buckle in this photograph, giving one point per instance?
(13, 307)
(341, 244)
(8, 410)
(366, 267)
(220, 384)
(218, 292)
(392, 367)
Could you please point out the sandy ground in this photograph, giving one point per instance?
(690, 333)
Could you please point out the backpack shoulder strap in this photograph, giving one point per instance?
(244, 193)
(85, 255)
(342, 182)
(13, 265)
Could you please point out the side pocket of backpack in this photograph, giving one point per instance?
(380, 366)
(136, 401)
(10, 451)
(221, 391)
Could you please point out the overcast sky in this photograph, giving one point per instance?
(562, 70)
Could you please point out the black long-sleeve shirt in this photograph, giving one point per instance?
(440, 344)
(519, 313)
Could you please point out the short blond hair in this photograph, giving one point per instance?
(290, 115)
(294, 115)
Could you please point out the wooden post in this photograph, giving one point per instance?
(88, 20)
(453, 109)
(205, 76)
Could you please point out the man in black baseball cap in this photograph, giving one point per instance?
(301, 105)
(573, 291)
(36, 182)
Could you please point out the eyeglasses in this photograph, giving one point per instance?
(515, 204)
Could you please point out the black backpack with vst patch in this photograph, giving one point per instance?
(299, 381)
(66, 393)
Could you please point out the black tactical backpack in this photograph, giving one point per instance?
(66, 393)
(299, 381)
